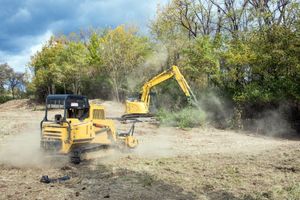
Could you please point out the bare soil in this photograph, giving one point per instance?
(170, 163)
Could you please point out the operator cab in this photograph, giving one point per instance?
(65, 107)
(136, 97)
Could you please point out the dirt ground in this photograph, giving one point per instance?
(170, 163)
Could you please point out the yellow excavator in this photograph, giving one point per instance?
(79, 127)
(140, 107)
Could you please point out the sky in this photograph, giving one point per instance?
(26, 25)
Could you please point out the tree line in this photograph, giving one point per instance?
(96, 63)
(247, 52)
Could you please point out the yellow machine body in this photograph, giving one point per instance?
(134, 107)
(73, 133)
(141, 106)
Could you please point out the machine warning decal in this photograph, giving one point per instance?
(74, 104)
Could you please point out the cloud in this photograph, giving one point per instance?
(24, 24)
(22, 15)
(20, 60)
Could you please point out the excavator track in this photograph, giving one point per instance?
(136, 116)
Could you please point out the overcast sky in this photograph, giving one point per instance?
(27, 24)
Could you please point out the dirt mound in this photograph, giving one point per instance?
(17, 104)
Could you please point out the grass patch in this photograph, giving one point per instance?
(146, 180)
(4, 99)
(291, 192)
(186, 118)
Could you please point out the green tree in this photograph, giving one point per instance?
(72, 66)
(169, 34)
(45, 68)
(4, 71)
(202, 61)
(15, 80)
(123, 51)
(275, 71)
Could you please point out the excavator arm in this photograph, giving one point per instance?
(142, 106)
(170, 73)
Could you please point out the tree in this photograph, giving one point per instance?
(14, 80)
(97, 83)
(170, 38)
(94, 51)
(44, 65)
(4, 71)
(123, 50)
(11, 79)
(202, 62)
(72, 66)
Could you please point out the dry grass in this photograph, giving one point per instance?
(169, 164)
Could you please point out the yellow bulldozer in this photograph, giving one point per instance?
(140, 107)
(71, 126)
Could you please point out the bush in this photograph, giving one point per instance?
(4, 99)
(185, 118)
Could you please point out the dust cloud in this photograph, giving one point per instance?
(23, 150)
(156, 145)
(221, 113)
(218, 111)
(273, 123)
(158, 59)
(152, 65)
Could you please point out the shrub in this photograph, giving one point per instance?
(186, 118)
(4, 99)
